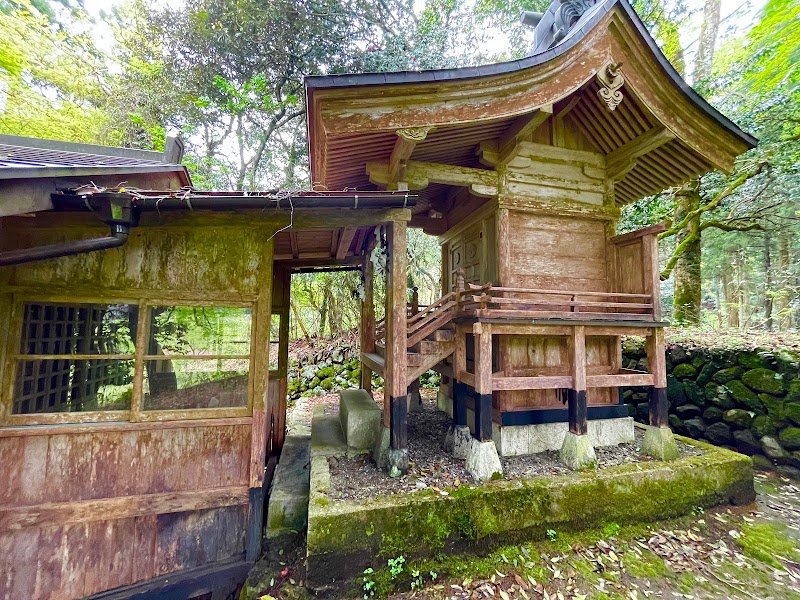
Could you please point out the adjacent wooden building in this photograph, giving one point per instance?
(141, 408)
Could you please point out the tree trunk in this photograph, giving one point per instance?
(782, 311)
(708, 40)
(731, 301)
(687, 298)
(769, 287)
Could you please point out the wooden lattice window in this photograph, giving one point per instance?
(75, 358)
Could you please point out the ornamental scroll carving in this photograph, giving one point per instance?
(611, 80)
(414, 134)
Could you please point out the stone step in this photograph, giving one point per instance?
(287, 510)
(360, 419)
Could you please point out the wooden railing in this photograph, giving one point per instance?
(497, 302)
(525, 303)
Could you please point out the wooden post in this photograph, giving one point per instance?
(651, 275)
(414, 398)
(483, 381)
(367, 325)
(279, 424)
(459, 365)
(396, 384)
(576, 399)
(657, 395)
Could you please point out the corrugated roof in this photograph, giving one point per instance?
(22, 157)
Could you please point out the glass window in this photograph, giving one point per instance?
(197, 357)
(75, 358)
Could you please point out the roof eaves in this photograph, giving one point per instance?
(365, 79)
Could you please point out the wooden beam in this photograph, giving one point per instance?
(407, 140)
(520, 129)
(295, 246)
(106, 509)
(623, 159)
(345, 239)
(419, 175)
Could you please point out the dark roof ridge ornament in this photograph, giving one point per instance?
(553, 25)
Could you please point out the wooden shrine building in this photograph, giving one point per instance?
(144, 324)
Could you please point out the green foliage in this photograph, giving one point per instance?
(396, 566)
(368, 583)
(50, 76)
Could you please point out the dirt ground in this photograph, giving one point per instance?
(742, 553)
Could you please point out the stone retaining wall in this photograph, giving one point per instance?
(745, 400)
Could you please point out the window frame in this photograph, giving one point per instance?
(136, 413)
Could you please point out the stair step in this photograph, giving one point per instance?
(414, 359)
(441, 335)
(427, 347)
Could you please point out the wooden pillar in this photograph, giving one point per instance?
(367, 326)
(395, 374)
(483, 381)
(657, 395)
(414, 398)
(459, 365)
(576, 398)
(279, 424)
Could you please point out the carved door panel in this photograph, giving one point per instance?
(472, 254)
(456, 260)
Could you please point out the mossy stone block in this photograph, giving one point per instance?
(762, 425)
(718, 396)
(719, 433)
(705, 374)
(790, 438)
(712, 413)
(327, 384)
(745, 397)
(695, 428)
(792, 412)
(659, 443)
(694, 392)
(728, 374)
(684, 370)
(326, 372)
(752, 360)
(738, 417)
(793, 395)
(675, 392)
(764, 380)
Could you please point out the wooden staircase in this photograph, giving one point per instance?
(430, 339)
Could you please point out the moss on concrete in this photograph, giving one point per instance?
(499, 512)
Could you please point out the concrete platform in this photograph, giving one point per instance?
(346, 536)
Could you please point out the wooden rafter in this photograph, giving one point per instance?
(620, 161)
(520, 129)
(345, 239)
(295, 245)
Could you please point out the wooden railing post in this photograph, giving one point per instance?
(414, 398)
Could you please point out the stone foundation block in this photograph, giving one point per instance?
(360, 419)
(457, 441)
(482, 460)
(397, 462)
(381, 452)
(660, 443)
(577, 452)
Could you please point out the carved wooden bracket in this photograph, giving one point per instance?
(611, 80)
(414, 134)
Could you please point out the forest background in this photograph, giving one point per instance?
(227, 75)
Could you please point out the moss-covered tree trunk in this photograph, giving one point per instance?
(687, 298)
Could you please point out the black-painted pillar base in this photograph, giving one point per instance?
(578, 412)
(483, 417)
(659, 406)
(398, 422)
(255, 525)
(459, 404)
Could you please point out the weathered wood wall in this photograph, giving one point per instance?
(94, 506)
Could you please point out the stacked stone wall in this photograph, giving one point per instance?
(744, 400)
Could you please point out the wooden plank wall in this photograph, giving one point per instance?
(93, 507)
(87, 508)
